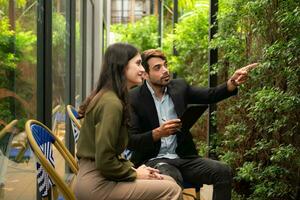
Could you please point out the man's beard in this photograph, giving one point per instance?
(164, 81)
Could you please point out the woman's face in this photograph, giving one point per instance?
(134, 71)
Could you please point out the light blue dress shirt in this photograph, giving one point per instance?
(166, 111)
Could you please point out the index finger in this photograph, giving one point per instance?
(250, 67)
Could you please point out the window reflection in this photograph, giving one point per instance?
(59, 38)
(18, 44)
(17, 61)
(78, 73)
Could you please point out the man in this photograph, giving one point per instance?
(155, 139)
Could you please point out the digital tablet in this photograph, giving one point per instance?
(191, 115)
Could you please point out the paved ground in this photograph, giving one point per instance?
(21, 183)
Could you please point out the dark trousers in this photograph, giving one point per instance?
(197, 171)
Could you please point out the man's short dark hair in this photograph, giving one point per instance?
(151, 53)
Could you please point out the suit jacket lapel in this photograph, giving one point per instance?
(151, 113)
(177, 100)
(179, 107)
(149, 105)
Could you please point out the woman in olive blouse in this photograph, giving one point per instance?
(103, 172)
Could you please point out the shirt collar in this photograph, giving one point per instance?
(152, 91)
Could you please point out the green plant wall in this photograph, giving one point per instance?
(261, 124)
(258, 130)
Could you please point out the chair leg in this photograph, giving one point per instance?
(198, 197)
(189, 194)
(3, 168)
(20, 155)
(55, 193)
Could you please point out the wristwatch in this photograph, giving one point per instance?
(234, 82)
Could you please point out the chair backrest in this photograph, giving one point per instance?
(127, 154)
(73, 115)
(5, 144)
(8, 128)
(41, 140)
(55, 110)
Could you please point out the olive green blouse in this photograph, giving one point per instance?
(103, 137)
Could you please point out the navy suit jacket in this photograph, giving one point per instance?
(144, 117)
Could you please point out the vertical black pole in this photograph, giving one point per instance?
(213, 59)
(160, 22)
(70, 69)
(151, 7)
(122, 11)
(83, 34)
(11, 75)
(175, 21)
(44, 64)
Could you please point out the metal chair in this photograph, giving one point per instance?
(55, 112)
(73, 115)
(20, 151)
(5, 144)
(127, 154)
(41, 140)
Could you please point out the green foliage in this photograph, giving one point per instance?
(5, 113)
(14, 48)
(186, 6)
(261, 140)
(8, 58)
(19, 3)
(272, 109)
(202, 148)
(259, 129)
(143, 33)
(191, 41)
(247, 172)
(59, 37)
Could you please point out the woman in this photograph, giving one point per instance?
(103, 173)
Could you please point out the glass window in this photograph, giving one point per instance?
(59, 39)
(17, 61)
(78, 80)
(89, 48)
(18, 32)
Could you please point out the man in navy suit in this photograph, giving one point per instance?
(154, 136)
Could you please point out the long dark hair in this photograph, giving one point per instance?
(112, 76)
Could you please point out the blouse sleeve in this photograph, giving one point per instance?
(106, 136)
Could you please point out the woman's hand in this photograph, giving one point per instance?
(144, 172)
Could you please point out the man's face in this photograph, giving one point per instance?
(158, 74)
